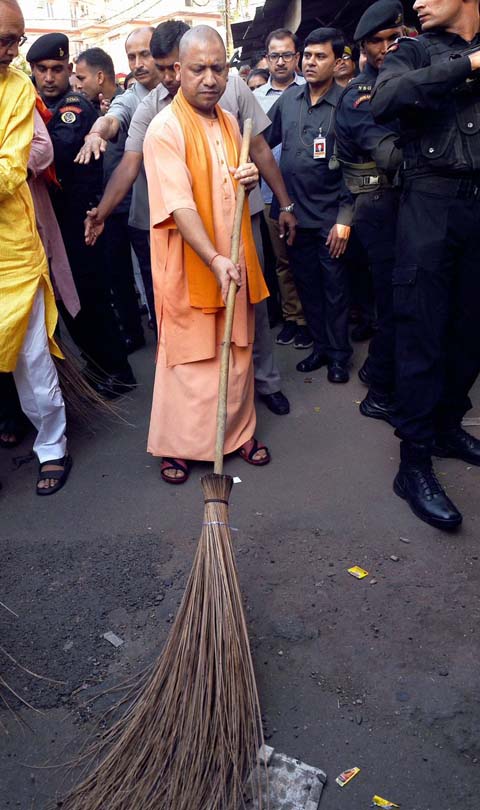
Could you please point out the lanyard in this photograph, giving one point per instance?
(320, 131)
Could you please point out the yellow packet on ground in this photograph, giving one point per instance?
(358, 573)
(377, 801)
(346, 776)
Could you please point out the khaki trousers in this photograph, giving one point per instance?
(291, 306)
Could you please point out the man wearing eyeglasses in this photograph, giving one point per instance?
(346, 68)
(282, 56)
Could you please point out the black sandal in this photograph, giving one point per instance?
(60, 476)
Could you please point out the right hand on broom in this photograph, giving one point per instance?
(225, 271)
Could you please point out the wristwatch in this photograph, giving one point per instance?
(287, 209)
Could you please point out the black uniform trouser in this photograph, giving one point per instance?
(376, 224)
(140, 240)
(95, 329)
(11, 414)
(322, 286)
(437, 305)
(116, 245)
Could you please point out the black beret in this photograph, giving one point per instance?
(50, 46)
(378, 17)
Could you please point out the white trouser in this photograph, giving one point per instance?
(38, 389)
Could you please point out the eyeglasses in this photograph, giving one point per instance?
(8, 42)
(346, 57)
(275, 57)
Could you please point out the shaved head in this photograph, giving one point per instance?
(202, 68)
(11, 4)
(201, 35)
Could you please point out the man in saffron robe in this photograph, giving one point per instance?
(190, 149)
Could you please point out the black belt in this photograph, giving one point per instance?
(464, 188)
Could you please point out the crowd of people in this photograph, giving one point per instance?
(363, 182)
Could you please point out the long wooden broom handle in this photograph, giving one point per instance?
(230, 308)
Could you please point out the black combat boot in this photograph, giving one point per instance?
(457, 443)
(378, 406)
(417, 483)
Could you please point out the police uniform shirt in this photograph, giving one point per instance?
(436, 98)
(73, 117)
(320, 196)
(360, 139)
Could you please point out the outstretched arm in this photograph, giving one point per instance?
(118, 186)
(104, 129)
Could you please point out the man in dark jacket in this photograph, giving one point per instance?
(430, 85)
(95, 329)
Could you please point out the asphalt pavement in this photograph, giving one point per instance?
(380, 673)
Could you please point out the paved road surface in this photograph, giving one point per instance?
(381, 673)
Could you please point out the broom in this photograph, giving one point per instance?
(190, 735)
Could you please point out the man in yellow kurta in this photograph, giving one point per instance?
(28, 313)
(189, 150)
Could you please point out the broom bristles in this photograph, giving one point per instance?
(190, 737)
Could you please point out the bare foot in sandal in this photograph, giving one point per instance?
(59, 469)
(254, 453)
(174, 470)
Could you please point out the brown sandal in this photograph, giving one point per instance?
(249, 456)
(174, 464)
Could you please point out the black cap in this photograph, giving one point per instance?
(378, 17)
(50, 46)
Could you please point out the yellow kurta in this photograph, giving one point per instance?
(185, 394)
(23, 265)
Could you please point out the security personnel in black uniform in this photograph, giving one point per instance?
(370, 159)
(95, 329)
(432, 87)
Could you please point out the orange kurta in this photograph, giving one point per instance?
(186, 382)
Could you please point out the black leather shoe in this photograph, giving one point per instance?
(377, 406)
(276, 403)
(457, 443)
(114, 385)
(363, 375)
(337, 373)
(417, 484)
(312, 362)
(132, 344)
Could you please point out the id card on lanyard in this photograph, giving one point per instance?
(319, 146)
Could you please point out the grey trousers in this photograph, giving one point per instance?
(267, 375)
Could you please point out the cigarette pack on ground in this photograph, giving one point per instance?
(377, 801)
(357, 572)
(346, 776)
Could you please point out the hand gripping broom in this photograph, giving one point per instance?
(190, 736)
